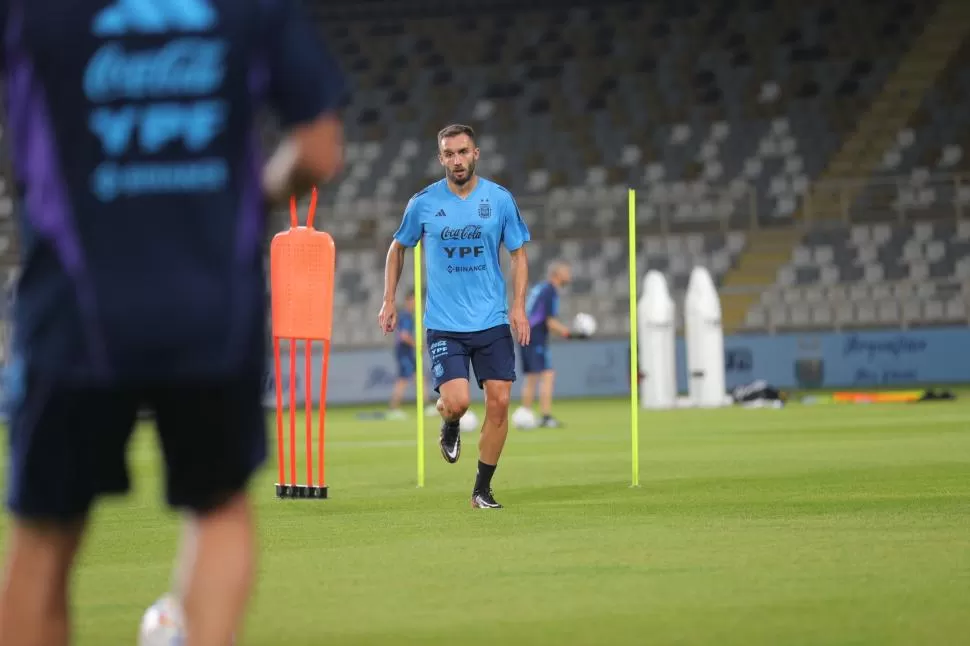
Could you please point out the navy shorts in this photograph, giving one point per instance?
(535, 359)
(68, 445)
(405, 363)
(491, 353)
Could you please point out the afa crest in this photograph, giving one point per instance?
(484, 210)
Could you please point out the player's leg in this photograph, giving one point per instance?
(430, 395)
(532, 365)
(217, 561)
(397, 393)
(405, 371)
(493, 358)
(546, 386)
(449, 369)
(528, 390)
(213, 437)
(67, 446)
(34, 599)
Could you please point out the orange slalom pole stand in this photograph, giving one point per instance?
(302, 268)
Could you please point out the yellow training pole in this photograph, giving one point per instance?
(419, 360)
(634, 385)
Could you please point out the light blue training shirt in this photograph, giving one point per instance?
(462, 237)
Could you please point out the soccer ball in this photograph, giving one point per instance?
(468, 422)
(163, 624)
(584, 324)
(524, 418)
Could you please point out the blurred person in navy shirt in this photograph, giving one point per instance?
(135, 144)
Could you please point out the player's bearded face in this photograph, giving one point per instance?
(460, 170)
(459, 156)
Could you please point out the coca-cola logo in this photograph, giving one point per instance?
(469, 232)
(188, 66)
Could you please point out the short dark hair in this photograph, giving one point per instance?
(454, 130)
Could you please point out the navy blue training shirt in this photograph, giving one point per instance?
(541, 305)
(135, 148)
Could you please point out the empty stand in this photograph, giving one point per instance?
(871, 276)
(718, 110)
(722, 115)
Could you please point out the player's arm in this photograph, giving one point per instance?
(552, 321)
(407, 235)
(557, 327)
(520, 283)
(393, 266)
(520, 277)
(309, 155)
(514, 236)
(308, 89)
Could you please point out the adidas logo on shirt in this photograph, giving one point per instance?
(440, 214)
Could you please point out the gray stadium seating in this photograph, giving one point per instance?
(720, 113)
(717, 110)
(879, 275)
(926, 172)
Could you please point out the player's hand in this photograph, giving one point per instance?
(387, 318)
(519, 323)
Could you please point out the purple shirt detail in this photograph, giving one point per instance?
(47, 203)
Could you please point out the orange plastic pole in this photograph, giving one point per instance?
(279, 411)
(308, 404)
(325, 368)
(293, 410)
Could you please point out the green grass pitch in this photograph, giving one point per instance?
(806, 526)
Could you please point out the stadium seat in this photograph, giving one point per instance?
(894, 274)
(719, 114)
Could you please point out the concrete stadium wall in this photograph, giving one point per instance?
(600, 368)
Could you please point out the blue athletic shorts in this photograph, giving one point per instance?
(405, 362)
(491, 353)
(68, 444)
(535, 359)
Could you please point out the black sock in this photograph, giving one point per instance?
(483, 479)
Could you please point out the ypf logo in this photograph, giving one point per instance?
(154, 17)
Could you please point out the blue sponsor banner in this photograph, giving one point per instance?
(858, 359)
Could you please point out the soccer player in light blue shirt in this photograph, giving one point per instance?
(463, 220)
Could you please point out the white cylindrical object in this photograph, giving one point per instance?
(655, 311)
(705, 341)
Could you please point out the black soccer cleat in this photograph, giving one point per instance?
(484, 500)
(548, 421)
(450, 441)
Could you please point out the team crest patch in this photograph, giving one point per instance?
(438, 370)
(484, 210)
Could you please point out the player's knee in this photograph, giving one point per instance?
(454, 405)
(498, 403)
